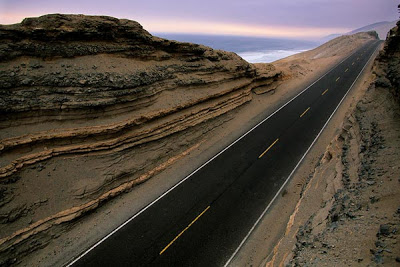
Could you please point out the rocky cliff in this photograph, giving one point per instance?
(388, 70)
(92, 106)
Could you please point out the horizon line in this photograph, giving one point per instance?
(176, 26)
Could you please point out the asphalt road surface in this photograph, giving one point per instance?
(203, 220)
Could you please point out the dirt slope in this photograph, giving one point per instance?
(348, 213)
(93, 106)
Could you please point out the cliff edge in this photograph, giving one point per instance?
(92, 106)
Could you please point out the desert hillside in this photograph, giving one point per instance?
(381, 28)
(348, 211)
(92, 106)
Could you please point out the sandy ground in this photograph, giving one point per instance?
(301, 70)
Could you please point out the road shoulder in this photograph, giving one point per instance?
(221, 132)
(275, 236)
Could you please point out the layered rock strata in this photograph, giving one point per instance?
(389, 60)
(91, 106)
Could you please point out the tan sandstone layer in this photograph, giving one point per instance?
(92, 106)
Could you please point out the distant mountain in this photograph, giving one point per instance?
(382, 28)
(330, 37)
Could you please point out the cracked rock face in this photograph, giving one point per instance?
(40, 70)
(389, 60)
(91, 106)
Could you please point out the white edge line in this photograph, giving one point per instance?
(191, 174)
(295, 168)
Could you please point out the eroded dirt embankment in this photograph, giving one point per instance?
(348, 213)
(93, 106)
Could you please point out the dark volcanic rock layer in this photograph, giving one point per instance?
(91, 106)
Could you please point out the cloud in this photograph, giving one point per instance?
(201, 27)
(250, 17)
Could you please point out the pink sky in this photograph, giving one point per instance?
(282, 18)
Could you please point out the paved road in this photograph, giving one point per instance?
(202, 221)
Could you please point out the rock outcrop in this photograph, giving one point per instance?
(91, 106)
(389, 60)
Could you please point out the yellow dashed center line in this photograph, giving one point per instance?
(346, 70)
(325, 91)
(181, 233)
(302, 114)
(338, 79)
(268, 148)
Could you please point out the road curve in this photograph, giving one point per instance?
(203, 220)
